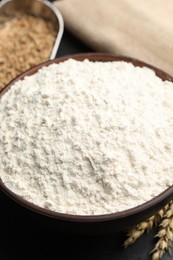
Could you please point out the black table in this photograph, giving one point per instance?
(20, 238)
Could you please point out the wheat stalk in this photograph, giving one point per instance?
(165, 234)
(136, 232)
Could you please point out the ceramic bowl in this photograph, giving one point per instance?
(96, 224)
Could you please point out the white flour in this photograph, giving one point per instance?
(88, 138)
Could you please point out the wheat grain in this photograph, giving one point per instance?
(159, 215)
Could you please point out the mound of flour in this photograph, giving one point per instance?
(87, 137)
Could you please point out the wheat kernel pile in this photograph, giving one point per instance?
(24, 42)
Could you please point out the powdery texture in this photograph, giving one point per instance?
(88, 137)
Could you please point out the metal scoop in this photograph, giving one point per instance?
(38, 8)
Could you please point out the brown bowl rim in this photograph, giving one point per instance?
(149, 207)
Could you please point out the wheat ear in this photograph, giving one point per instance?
(165, 234)
(145, 226)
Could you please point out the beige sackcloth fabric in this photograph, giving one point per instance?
(142, 29)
